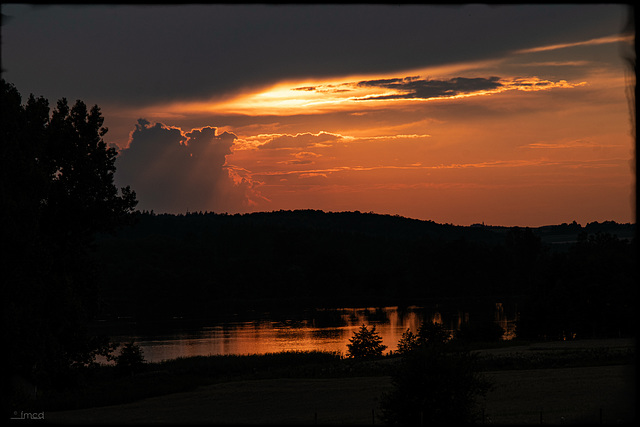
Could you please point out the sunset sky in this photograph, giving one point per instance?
(507, 115)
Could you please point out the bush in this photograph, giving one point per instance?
(365, 344)
(479, 332)
(432, 386)
(431, 333)
(131, 360)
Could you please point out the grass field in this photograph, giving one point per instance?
(580, 395)
(573, 395)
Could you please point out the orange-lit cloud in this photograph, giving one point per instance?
(570, 144)
(519, 163)
(309, 140)
(302, 140)
(389, 92)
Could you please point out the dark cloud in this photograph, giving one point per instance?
(388, 82)
(176, 171)
(306, 88)
(301, 140)
(138, 55)
(411, 87)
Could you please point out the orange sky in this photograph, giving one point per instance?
(502, 114)
(552, 144)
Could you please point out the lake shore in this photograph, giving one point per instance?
(578, 394)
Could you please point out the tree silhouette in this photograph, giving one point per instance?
(131, 360)
(587, 292)
(365, 343)
(57, 193)
(482, 330)
(82, 198)
(431, 333)
(408, 342)
(433, 386)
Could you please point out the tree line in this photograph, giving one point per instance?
(196, 265)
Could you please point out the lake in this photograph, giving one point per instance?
(318, 329)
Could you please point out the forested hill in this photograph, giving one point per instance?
(197, 264)
(348, 223)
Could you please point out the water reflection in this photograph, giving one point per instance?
(323, 330)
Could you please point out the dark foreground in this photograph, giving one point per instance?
(566, 395)
(572, 394)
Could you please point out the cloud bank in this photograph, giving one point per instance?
(175, 171)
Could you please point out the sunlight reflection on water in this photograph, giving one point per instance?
(328, 330)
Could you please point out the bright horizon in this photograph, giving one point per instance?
(480, 121)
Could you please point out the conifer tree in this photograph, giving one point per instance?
(365, 343)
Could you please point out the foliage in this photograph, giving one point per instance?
(485, 331)
(104, 386)
(108, 385)
(288, 363)
(432, 333)
(131, 359)
(408, 342)
(433, 386)
(429, 334)
(57, 193)
(365, 343)
(586, 292)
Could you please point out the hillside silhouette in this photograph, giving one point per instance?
(201, 265)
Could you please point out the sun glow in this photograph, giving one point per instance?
(355, 94)
(301, 98)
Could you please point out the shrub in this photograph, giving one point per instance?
(431, 333)
(481, 331)
(131, 359)
(432, 386)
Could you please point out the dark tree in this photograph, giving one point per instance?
(365, 343)
(57, 193)
(435, 387)
(431, 333)
(587, 292)
(130, 361)
(408, 342)
(524, 257)
(480, 331)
